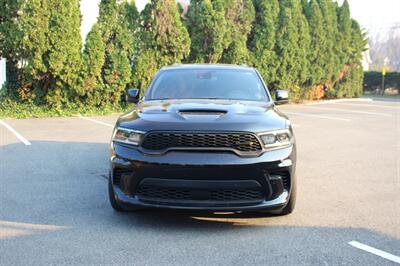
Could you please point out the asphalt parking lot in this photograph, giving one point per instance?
(54, 207)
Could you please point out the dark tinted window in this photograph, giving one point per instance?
(237, 84)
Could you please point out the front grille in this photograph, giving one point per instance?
(154, 193)
(241, 142)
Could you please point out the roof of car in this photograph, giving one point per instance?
(206, 66)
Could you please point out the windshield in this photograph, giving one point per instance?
(235, 84)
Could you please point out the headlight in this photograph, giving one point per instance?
(127, 136)
(277, 138)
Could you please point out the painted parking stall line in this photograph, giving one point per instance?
(318, 116)
(368, 105)
(375, 251)
(96, 121)
(16, 134)
(350, 111)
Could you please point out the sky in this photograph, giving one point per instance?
(373, 15)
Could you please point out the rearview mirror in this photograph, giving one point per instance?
(281, 97)
(133, 96)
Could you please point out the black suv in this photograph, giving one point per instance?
(204, 137)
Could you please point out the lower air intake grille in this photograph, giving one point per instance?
(118, 173)
(285, 178)
(181, 194)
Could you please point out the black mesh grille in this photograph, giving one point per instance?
(285, 178)
(241, 142)
(118, 172)
(217, 195)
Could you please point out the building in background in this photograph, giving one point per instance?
(2, 72)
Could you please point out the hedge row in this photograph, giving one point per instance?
(311, 47)
(373, 80)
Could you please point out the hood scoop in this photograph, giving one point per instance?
(202, 112)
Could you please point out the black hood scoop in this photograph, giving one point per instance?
(202, 112)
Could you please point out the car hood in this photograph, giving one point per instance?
(203, 115)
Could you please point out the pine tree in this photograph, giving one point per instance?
(262, 40)
(206, 27)
(239, 15)
(164, 40)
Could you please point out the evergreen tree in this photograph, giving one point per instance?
(318, 42)
(329, 55)
(94, 59)
(10, 39)
(351, 77)
(164, 40)
(63, 58)
(112, 41)
(262, 40)
(303, 43)
(51, 50)
(345, 30)
(292, 47)
(239, 15)
(207, 27)
(35, 47)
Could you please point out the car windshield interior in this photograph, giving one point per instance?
(208, 84)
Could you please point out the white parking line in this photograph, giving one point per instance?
(96, 121)
(369, 105)
(340, 101)
(375, 251)
(318, 116)
(350, 111)
(19, 136)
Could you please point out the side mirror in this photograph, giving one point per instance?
(133, 96)
(281, 97)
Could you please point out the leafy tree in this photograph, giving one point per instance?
(239, 15)
(262, 40)
(164, 40)
(207, 27)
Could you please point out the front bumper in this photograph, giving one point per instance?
(202, 180)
